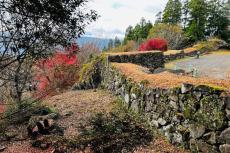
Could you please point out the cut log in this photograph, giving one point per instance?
(41, 128)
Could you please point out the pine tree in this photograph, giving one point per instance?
(197, 20)
(117, 42)
(128, 34)
(172, 12)
(217, 23)
(158, 18)
(185, 12)
(139, 32)
(110, 44)
(104, 49)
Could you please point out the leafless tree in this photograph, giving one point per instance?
(86, 51)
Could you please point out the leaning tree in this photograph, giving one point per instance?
(30, 29)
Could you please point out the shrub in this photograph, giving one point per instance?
(172, 33)
(129, 46)
(118, 131)
(211, 44)
(90, 73)
(16, 114)
(57, 72)
(87, 51)
(154, 44)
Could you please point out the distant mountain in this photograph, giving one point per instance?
(100, 42)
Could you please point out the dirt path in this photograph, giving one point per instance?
(76, 107)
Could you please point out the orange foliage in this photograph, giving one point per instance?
(166, 79)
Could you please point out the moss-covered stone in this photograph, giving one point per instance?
(210, 113)
(135, 90)
(209, 89)
(190, 105)
(90, 74)
(146, 59)
(145, 83)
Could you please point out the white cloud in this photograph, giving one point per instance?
(117, 15)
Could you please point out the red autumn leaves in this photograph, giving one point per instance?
(154, 44)
(59, 71)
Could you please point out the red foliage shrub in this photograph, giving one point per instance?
(2, 109)
(59, 71)
(154, 44)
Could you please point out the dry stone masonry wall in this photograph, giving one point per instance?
(150, 59)
(180, 55)
(196, 117)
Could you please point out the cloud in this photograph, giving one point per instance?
(152, 9)
(104, 33)
(117, 5)
(117, 15)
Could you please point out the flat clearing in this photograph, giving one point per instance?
(215, 65)
(130, 53)
(166, 79)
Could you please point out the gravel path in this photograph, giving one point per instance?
(212, 65)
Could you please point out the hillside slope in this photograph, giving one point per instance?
(77, 107)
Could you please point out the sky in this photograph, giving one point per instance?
(117, 15)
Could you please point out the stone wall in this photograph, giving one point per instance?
(149, 59)
(180, 55)
(196, 117)
(172, 57)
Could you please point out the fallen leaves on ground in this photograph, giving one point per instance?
(166, 79)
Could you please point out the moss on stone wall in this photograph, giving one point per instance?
(211, 113)
(173, 111)
(148, 59)
(90, 74)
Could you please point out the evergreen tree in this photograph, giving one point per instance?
(117, 42)
(172, 12)
(110, 44)
(104, 49)
(144, 30)
(158, 18)
(128, 34)
(185, 13)
(197, 20)
(139, 32)
(217, 23)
